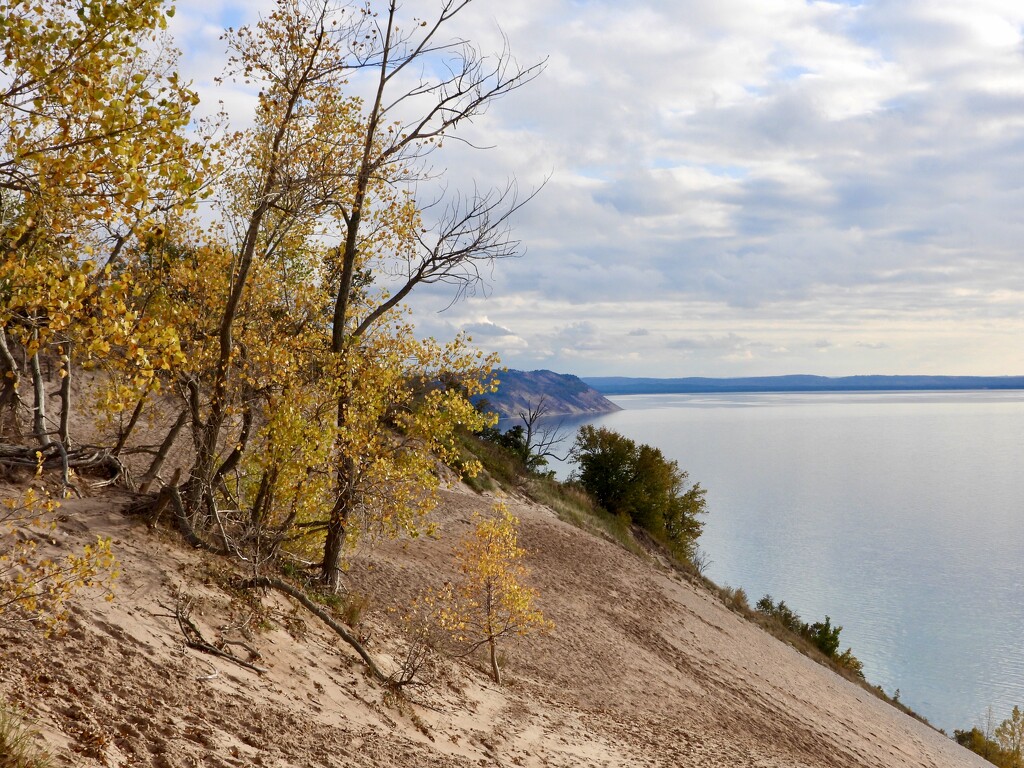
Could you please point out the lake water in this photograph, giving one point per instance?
(900, 515)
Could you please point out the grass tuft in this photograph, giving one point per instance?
(500, 468)
(18, 747)
(574, 506)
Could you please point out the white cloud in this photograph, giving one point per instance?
(753, 176)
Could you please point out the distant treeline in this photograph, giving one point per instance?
(624, 385)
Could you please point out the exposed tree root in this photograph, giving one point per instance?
(344, 634)
(84, 460)
(153, 505)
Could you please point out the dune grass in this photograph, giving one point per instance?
(18, 748)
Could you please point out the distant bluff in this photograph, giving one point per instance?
(521, 391)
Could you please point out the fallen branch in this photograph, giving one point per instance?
(214, 674)
(194, 638)
(55, 456)
(344, 634)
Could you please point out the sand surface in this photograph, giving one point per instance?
(643, 668)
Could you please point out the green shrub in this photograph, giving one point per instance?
(571, 502)
(781, 613)
(821, 634)
(500, 465)
(824, 636)
(636, 480)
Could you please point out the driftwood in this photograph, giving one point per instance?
(320, 613)
(94, 461)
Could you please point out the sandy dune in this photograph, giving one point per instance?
(643, 669)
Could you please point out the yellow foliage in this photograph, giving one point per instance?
(35, 589)
(489, 600)
(93, 154)
(317, 415)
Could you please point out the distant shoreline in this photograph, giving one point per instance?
(624, 385)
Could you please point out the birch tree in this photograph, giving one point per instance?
(92, 152)
(322, 192)
(490, 600)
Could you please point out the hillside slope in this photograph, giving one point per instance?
(643, 669)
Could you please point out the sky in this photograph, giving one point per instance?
(736, 187)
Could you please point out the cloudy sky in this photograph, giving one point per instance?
(740, 187)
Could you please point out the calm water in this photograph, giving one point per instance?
(900, 515)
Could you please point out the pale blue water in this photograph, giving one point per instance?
(900, 515)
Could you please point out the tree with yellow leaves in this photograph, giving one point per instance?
(405, 120)
(323, 241)
(489, 600)
(93, 155)
(316, 414)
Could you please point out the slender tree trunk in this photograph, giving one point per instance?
(65, 396)
(39, 400)
(10, 395)
(165, 448)
(127, 431)
(229, 464)
(495, 671)
(334, 544)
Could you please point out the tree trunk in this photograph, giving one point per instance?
(127, 431)
(256, 513)
(344, 503)
(39, 400)
(334, 546)
(65, 396)
(344, 490)
(229, 464)
(10, 384)
(495, 671)
(165, 448)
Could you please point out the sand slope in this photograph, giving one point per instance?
(643, 669)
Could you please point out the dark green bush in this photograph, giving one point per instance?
(825, 637)
(782, 613)
(636, 480)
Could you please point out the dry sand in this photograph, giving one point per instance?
(642, 669)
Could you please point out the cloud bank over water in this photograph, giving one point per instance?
(740, 187)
